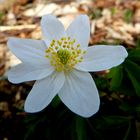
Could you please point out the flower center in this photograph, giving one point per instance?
(64, 54)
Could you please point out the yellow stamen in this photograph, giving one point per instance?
(64, 54)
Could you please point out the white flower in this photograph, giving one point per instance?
(60, 65)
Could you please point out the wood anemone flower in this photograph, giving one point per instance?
(60, 64)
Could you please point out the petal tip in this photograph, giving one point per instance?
(45, 17)
(30, 109)
(83, 16)
(11, 78)
(90, 114)
(125, 52)
(9, 41)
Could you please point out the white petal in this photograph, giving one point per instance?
(23, 72)
(80, 94)
(43, 92)
(28, 50)
(102, 57)
(80, 30)
(52, 28)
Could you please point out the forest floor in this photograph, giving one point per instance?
(112, 22)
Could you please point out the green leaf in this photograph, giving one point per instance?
(116, 75)
(126, 107)
(131, 108)
(127, 88)
(107, 122)
(101, 82)
(30, 130)
(95, 134)
(134, 54)
(133, 71)
(116, 120)
(56, 101)
(137, 108)
(133, 68)
(128, 15)
(131, 133)
(134, 82)
(80, 128)
(138, 43)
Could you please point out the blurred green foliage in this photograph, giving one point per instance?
(96, 13)
(117, 119)
(2, 17)
(128, 15)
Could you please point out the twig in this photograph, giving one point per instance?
(17, 27)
